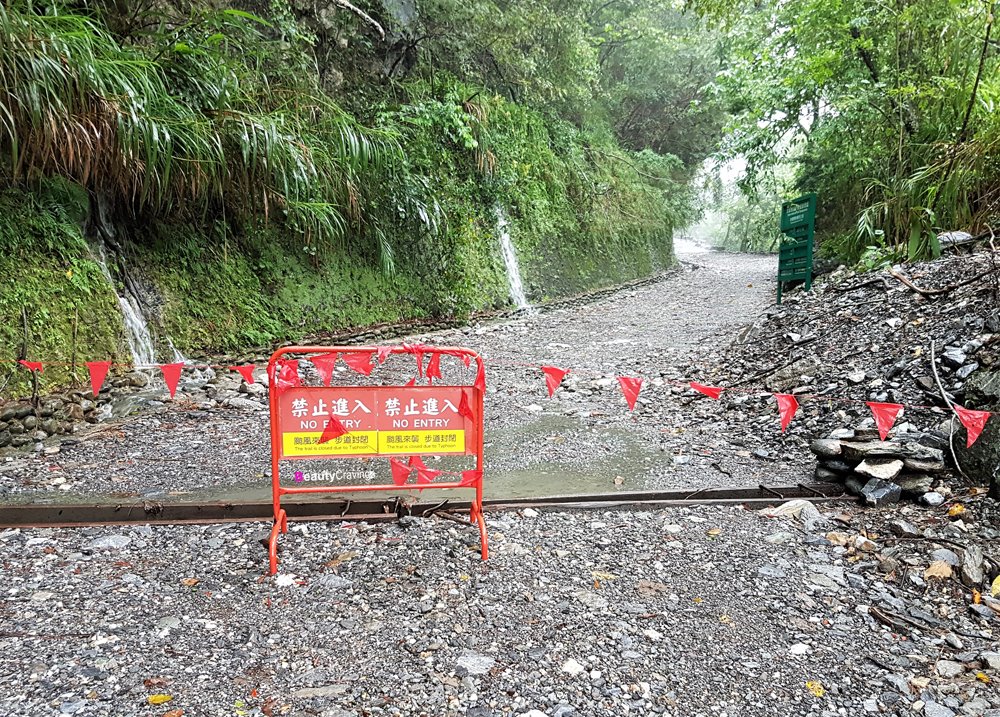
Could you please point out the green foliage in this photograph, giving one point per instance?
(55, 303)
(886, 107)
(274, 172)
(189, 122)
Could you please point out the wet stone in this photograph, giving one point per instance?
(932, 498)
(947, 556)
(108, 542)
(879, 492)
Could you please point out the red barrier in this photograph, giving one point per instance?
(309, 422)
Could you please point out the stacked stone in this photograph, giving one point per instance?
(880, 471)
(24, 424)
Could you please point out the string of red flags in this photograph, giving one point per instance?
(472, 478)
(787, 406)
(433, 368)
(465, 408)
(553, 377)
(630, 389)
(974, 422)
(425, 475)
(400, 471)
(885, 416)
(360, 362)
(286, 375)
(712, 392)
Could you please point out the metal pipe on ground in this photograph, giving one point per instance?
(34, 515)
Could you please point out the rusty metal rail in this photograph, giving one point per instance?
(393, 508)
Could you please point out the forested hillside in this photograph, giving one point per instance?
(224, 176)
(255, 173)
(887, 110)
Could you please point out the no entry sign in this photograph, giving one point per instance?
(329, 422)
(381, 421)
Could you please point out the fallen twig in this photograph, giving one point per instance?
(896, 622)
(937, 292)
(947, 400)
(877, 280)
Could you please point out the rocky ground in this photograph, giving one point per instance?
(703, 612)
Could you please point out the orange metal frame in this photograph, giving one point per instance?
(277, 490)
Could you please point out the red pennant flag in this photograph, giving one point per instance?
(411, 383)
(631, 388)
(288, 374)
(885, 415)
(98, 372)
(712, 392)
(466, 359)
(465, 408)
(481, 376)
(31, 365)
(246, 371)
(472, 478)
(553, 377)
(325, 364)
(974, 422)
(787, 406)
(424, 474)
(400, 471)
(434, 368)
(334, 429)
(360, 361)
(383, 353)
(172, 375)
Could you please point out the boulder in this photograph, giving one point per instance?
(914, 484)
(982, 461)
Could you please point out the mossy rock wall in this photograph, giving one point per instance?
(255, 289)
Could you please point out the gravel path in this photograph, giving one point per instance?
(582, 440)
(686, 612)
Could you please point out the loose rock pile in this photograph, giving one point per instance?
(920, 335)
(23, 423)
(882, 471)
(27, 425)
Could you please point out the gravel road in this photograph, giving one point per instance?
(582, 440)
(685, 612)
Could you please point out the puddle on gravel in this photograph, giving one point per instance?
(546, 455)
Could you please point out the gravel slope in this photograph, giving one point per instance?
(685, 612)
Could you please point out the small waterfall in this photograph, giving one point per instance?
(510, 261)
(140, 341)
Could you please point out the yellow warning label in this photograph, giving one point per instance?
(408, 442)
(307, 444)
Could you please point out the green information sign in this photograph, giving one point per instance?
(795, 256)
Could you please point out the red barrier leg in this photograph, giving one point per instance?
(476, 516)
(482, 535)
(272, 546)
